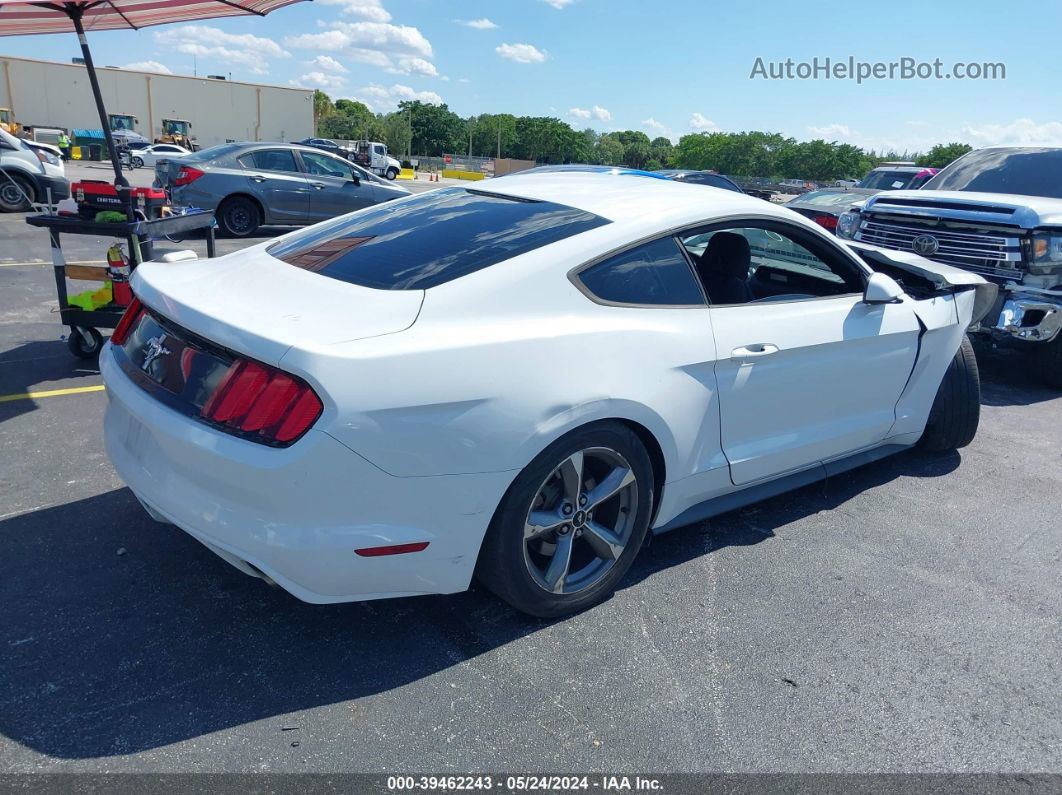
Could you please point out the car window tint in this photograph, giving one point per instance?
(430, 239)
(654, 274)
(779, 265)
(325, 166)
(271, 160)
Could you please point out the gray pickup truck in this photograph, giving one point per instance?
(996, 212)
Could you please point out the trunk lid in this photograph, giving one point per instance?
(256, 305)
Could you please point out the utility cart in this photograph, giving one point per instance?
(85, 340)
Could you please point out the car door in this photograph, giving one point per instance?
(807, 371)
(159, 151)
(274, 178)
(335, 188)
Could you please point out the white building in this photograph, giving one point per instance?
(50, 94)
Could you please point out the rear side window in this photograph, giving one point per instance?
(655, 274)
(270, 160)
(430, 239)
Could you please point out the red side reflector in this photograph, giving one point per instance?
(827, 221)
(128, 320)
(397, 549)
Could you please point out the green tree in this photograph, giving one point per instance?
(436, 129)
(394, 131)
(322, 106)
(943, 154)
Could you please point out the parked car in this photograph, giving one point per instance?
(255, 184)
(825, 207)
(520, 380)
(996, 212)
(710, 178)
(327, 145)
(28, 172)
(151, 154)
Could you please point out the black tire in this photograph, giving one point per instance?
(1049, 362)
(503, 565)
(81, 348)
(957, 408)
(137, 162)
(14, 190)
(239, 216)
(392, 173)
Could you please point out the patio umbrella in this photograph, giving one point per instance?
(24, 17)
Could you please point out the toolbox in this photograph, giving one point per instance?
(94, 195)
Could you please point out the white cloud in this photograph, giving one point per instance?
(254, 52)
(415, 66)
(656, 127)
(521, 53)
(478, 24)
(463, 80)
(701, 123)
(320, 80)
(596, 112)
(560, 5)
(1020, 132)
(326, 63)
(384, 97)
(831, 132)
(149, 66)
(392, 39)
(368, 9)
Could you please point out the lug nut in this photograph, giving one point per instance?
(564, 530)
(566, 508)
(582, 499)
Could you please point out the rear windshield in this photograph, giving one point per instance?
(430, 239)
(887, 180)
(212, 152)
(1026, 172)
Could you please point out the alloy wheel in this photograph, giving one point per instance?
(580, 521)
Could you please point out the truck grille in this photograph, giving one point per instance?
(983, 253)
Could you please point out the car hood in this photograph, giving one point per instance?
(1025, 211)
(257, 305)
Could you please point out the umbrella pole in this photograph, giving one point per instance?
(120, 182)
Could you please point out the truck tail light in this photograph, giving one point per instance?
(827, 222)
(186, 175)
(258, 399)
(129, 319)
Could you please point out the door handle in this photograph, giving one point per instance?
(318, 185)
(754, 350)
(258, 178)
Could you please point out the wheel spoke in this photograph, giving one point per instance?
(571, 472)
(606, 544)
(558, 567)
(617, 480)
(540, 522)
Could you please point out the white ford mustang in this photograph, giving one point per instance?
(520, 380)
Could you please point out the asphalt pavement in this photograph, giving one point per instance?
(900, 617)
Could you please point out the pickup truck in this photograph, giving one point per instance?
(996, 212)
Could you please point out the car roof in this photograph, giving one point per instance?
(624, 195)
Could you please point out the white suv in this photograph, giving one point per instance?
(27, 173)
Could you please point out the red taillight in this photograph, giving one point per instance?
(259, 399)
(396, 549)
(187, 174)
(827, 221)
(128, 320)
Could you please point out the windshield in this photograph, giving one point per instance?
(887, 180)
(1026, 172)
(827, 198)
(430, 239)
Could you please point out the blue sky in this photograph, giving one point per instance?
(668, 67)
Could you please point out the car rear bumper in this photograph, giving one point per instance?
(297, 514)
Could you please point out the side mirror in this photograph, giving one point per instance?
(355, 179)
(882, 289)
